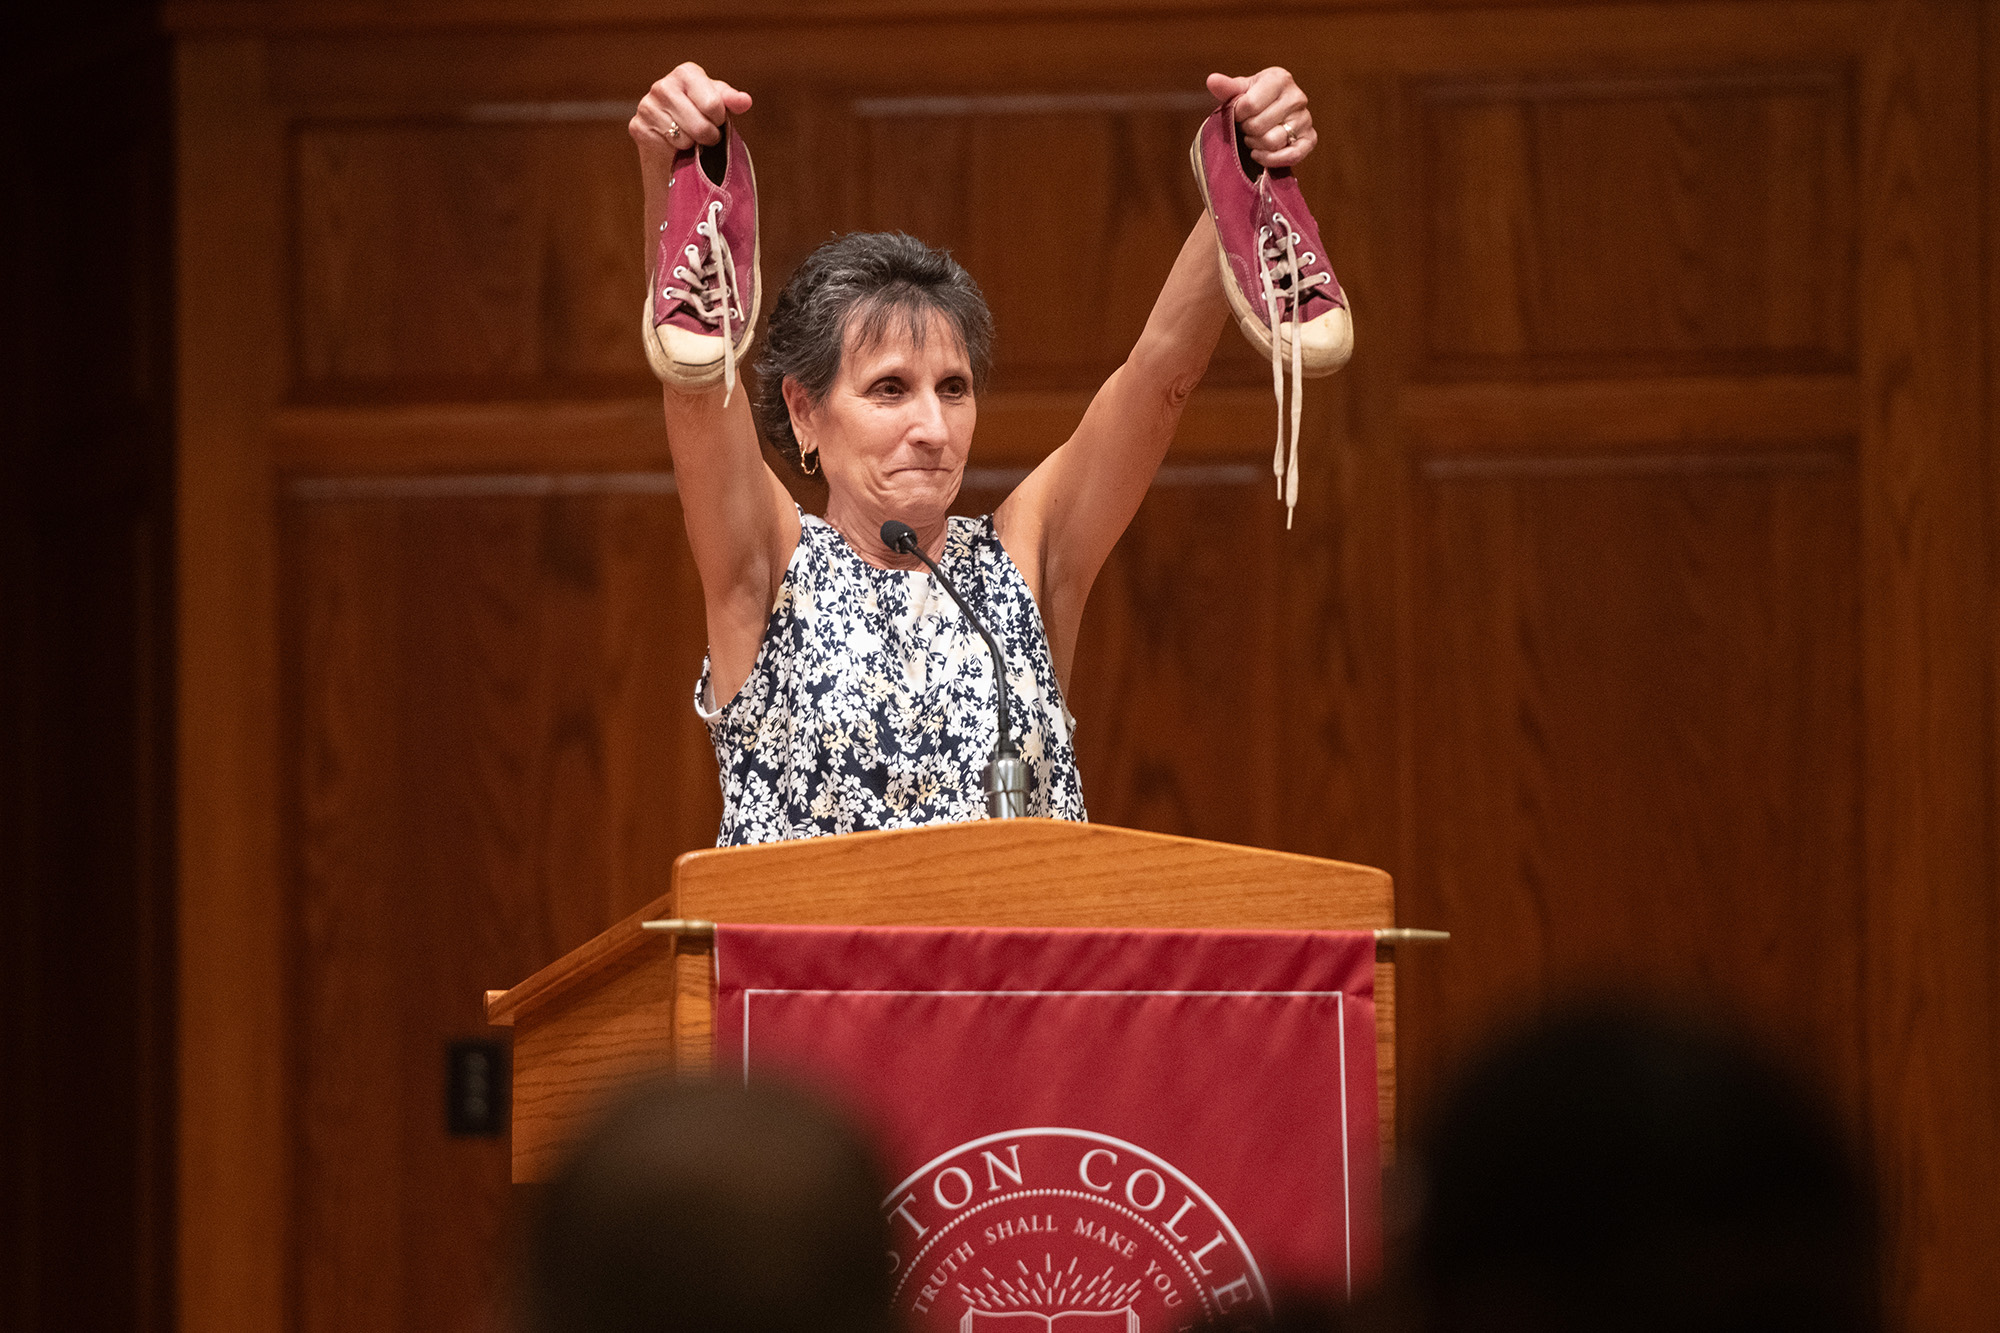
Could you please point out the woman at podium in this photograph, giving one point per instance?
(844, 689)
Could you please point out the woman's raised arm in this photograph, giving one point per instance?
(701, 299)
(1062, 521)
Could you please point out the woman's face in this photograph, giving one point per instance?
(894, 430)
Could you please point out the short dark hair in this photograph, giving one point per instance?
(1610, 1166)
(875, 276)
(710, 1207)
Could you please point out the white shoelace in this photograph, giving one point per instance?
(1285, 287)
(712, 290)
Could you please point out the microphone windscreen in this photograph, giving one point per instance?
(899, 536)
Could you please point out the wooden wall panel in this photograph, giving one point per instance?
(1181, 659)
(1067, 209)
(496, 758)
(1180, 665)
(1633, 708)
(233, 1186)
(1669, 224)
(518, 236)
(1339, 569)
(1639, 749)
(1933, 927)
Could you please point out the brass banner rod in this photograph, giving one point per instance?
(677, 926)
(1388, 935)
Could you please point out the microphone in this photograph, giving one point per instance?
(1006, 776)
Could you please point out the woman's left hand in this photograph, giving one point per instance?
(1271, 111)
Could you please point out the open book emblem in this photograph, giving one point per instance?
(1063, 1321)
(1049, 1299)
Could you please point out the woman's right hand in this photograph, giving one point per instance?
(683, 109)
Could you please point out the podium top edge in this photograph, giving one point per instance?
(1030, 830)
(1024, 873)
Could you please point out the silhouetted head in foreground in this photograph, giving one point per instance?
(705, 1206)
(1607, 1170)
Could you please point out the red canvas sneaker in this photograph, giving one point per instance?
(706, 279)
(1274, 271)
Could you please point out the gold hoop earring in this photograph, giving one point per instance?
(809, 462)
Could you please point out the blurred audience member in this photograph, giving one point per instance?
(711, 1207)
(1608, 1170)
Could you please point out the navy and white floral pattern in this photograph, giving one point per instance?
(871, 703)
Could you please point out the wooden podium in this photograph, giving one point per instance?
(635, 999)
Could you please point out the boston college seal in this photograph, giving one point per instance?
(1064, 1231)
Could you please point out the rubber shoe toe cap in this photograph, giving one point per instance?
(1326, 343)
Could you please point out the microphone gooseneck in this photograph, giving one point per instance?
(1006, 776)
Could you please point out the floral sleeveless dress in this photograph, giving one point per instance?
(871, 702)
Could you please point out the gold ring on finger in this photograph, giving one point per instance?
(1291, 135)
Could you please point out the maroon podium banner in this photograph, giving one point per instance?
(1091, 1131)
